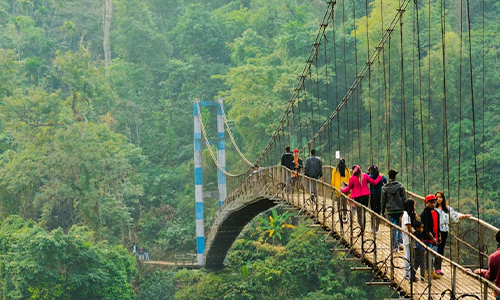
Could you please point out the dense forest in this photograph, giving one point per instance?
(96, 143)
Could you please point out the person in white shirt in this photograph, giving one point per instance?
(407, 221)
(445, 212)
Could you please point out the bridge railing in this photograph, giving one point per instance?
(183, 258)
(470, 240)
(335, 211)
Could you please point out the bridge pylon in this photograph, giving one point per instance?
(198, 168)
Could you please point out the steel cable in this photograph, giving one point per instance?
(232, 138)
(216, 162)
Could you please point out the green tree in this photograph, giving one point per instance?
(276, 225)
(41, 265)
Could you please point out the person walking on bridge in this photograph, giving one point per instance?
(313, 169)
(393, 196)
(358, 186)
(445, 212)
(376, 194)
(432, 236)
(341, 176)
(297, 163)
(288, 162)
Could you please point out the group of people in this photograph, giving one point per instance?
(431, 228)
(142, 254)
(388, 197)
(313, 167)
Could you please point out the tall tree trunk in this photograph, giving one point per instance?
(107, 27)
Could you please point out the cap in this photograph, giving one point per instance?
(392, 173)
(430, 197)
(296, 150)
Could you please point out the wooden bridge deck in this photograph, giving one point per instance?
(383, 251)
(387, 266)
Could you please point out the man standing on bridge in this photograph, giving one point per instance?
(393, 196)
(287, 160)
(314, 169)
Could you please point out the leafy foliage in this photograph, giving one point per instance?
(276, 225)
(41, 265)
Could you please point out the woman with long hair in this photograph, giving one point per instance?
(445, 212)
(358, 186)
(408, 220)
(341, 176)
(376, 194)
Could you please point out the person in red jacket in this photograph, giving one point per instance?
(360, 192)
(493, 271)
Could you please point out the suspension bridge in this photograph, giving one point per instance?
(389, 105)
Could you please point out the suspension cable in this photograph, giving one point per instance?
(429, 119)
(389, 108)
(474, 132)
(317, 87)
(363, 72)
(312, 103)
(369, 82)
(413, 98)
(420, 96)
(232, 139)
(331, 5)
(460, 107)
(358, 111)
(483, 111)
(339, 145)
(403, 104)
(446, 165)
(445, 98)
(328, 100)
(216, 162)
(345, 77)
(300, 119)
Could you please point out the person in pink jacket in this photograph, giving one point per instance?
(360, 192)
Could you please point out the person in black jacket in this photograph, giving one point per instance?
(430, 219)
(313, 169)
(288, 161)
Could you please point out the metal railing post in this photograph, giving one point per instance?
(485, 291)
(375, 243)
(341, 198)
(429, 270)
(454, 280)
(351, 226)
(413, 273)
(316, 196)
(392, 252)
(332, 194)
(324, 204)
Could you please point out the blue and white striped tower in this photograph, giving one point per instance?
(221, 151)
(198, 188)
